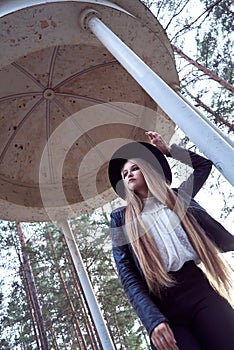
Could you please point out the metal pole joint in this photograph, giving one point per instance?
(86, 15)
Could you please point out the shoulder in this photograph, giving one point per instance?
(119, 235)
(118, 212)
(118, 216)
(188, 200)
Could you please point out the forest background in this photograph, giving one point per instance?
(42, 304)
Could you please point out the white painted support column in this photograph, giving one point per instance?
(213, 126)
(86, 285)
(201, 133)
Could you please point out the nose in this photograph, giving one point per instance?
(130, 174)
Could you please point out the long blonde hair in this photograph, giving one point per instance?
(157, 278)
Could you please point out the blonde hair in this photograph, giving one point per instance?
(157, 278)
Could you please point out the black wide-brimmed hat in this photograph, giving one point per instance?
(142, 150)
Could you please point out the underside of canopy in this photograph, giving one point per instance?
(66, 104)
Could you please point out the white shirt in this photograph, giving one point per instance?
(169, 236)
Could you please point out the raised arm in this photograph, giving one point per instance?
(201, 166)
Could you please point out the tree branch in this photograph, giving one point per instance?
(207, 71)
(177, 13)
(188, 26)
(218, 118)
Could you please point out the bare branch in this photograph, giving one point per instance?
(177, 13)
(218, 118)
(207, 12)
(207, 71)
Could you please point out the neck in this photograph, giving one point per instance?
(143, 194)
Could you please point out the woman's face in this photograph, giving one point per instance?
(134, 179)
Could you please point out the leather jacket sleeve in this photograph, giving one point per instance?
(201, 169)
(218, 234)
(132, 279)
(223, 239)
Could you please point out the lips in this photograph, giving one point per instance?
(131, 180)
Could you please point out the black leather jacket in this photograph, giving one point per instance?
(130, 273)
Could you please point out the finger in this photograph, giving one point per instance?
(171, 345)
(165, 339)
(164, 345)
(169, 338)
(169, 331)
(169, 342)
(160, 341)
(150, 134)
(153, 139)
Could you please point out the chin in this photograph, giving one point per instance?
(132, 188)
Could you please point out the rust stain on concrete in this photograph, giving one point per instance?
(44, 24)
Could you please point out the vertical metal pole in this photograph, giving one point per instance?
(203, 135)
(86, 285)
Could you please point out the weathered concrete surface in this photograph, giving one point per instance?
(56, 134)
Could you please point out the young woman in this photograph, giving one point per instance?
(159, 239)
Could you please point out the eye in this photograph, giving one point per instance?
(124, 174)
(135, 167)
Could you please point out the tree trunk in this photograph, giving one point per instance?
(79, 335)
(32, 291)
(53, 336)
(31, 309)
(87, 317)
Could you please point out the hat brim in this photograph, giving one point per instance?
(142, 150)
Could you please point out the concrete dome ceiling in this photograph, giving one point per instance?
(66, 104)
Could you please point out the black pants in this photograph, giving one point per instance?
(199, 317)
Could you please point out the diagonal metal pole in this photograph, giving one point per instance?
(209, 141)
(102, 330)
(220, 132)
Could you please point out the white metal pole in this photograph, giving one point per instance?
(224, 136)
(202, 134)
(86, 285)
